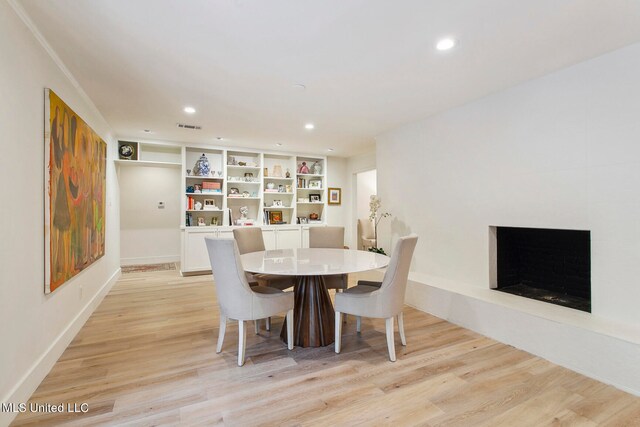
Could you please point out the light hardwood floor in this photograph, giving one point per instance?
(147, 357)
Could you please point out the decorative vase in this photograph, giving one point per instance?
(271, 185)
(202, 166)
(313, 216)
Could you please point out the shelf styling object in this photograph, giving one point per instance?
(277, 171)
(202, 166)
(317, 168)
(126, 151)
(313, 216)
(374, 215)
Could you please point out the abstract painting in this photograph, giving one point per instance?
(75, 193)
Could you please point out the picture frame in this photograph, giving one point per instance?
(275, 217)
(281, 188)
(335, 196)
(210, 205)
(234, 190)
(302, 220)
(315, 183)
(277, 203)
(248, 174)
(214, 221)
(288, 188)
(315, 198)
(201, 222)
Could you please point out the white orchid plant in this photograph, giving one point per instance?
(376, 216)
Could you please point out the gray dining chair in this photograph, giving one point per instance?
(330, 237)
(237, 300)
(367, 234)
(386, 301)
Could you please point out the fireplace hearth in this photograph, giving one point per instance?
(548, 265)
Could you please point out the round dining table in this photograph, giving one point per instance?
(313, 312)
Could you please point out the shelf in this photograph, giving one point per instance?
(242, 198)
(268, 208)
(279, 193)
(147, 163)
(203, 194)
(243, 167)
(243, 182)
(276, 178)
(317, 189)
(203, 177)
(310, 203)
(311, 175)
(203, 210)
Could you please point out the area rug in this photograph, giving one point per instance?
(146, 268)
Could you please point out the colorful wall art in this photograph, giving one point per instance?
(75, 187)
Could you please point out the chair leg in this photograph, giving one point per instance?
(242, 341)
(221, 331)
(358, 324)
(290, 329)
(256, 325)
(390, 344)
(268, 323)
(403, 338)
(338, 331)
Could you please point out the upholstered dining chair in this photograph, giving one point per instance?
(330, 237)
(384, 302)
(239, 301)
(249, 240)
(367, 234)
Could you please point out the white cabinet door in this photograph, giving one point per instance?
(269, 237)
(305, 237)
(196, 256)
(288, 238)
(225, 234)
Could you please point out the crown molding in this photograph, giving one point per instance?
(26, 19)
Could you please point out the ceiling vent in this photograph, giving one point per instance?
(192, 127)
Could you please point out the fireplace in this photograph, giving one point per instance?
(548, 265)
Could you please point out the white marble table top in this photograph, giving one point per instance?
(312, 261)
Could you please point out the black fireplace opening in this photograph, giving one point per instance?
(548, 265)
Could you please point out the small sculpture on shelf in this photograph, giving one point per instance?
(244, 211)
(202, 166)
(303, 168)
(313, 216)
(198, 206)
(232, 161)
(317, 168)
(288, 174)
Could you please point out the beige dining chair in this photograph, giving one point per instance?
(367, 234)
(330, 237)
(237, 300)
(249, 240)
(384, 302)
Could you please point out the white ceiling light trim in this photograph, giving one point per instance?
(189, 110)
(446, 43)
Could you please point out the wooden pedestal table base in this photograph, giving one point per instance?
(313, 314)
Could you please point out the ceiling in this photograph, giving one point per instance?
(368, 65)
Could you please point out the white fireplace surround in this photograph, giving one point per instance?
(561, 151)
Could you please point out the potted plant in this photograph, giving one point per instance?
(376, 216)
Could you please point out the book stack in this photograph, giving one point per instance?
(211, 187)
(302, 183)
(190, 203)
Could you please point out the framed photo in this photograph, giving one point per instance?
(275, 217)
(197, 188)
(314, 198)
(281, 188)
(214, 220)
(302, 220)
(234, 190)
(335, 196)
(315, 183)
(210, 205)
(277, 203)
(288, 188)
(201, 222)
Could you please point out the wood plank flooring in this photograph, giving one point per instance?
(147, 357)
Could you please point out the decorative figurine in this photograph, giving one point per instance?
(303, 168)
(244, 211)
(317, 168)
(202, 166)
(198, 206)
(288, 174)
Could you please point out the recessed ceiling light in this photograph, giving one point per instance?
(329, 149)
(446, 43)
(278, 144)
(189, 110)
(147, 131)
(298, 86)
(219, 138)
(309, 126)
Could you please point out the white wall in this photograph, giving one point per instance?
(36, 328)
(149, 235)
(366, 186)
(560, 151)
(337, 177)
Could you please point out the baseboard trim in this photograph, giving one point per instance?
(30, 381)
(603, 357)
(149, 260)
